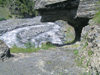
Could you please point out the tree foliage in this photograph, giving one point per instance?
(20, 8)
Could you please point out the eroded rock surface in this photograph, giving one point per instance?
(90, 48)
(58, 61)
(41, 4)
(4, 50)
(87, 8)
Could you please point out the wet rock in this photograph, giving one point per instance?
(4, 50)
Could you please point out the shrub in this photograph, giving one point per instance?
(76, 52)
(1, 19)
(20, 8)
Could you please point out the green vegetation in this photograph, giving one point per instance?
(1, 19)
(79, 61)
(29, 48)
(76, 52)
(49, 62)
(88, 63)
(97, 16)
(4, 13)
(19, 8)
(90, 52)
(85, 45)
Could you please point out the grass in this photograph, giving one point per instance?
(1, 19)
(30, 49)
(76, 52)
(79, 61)
(4, 13)
(90, 52)
(97, 17)
(85, 45)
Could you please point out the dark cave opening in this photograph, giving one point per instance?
(66, 11)
(78, 24)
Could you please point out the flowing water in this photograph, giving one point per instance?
(36, 34)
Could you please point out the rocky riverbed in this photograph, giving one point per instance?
(21, 31)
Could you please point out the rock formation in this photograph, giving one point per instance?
(87, 8)
(4, 50)
(76, 12)
(90, 48)
(56, 9)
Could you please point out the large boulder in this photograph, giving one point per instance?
(68, 30)
(4, 50)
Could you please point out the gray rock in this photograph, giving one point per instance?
(87, 8)
(52, 10)
(42, 3)
(68, 30)
(4, 50)
(68, 9)
(58, 61)
(90, 47)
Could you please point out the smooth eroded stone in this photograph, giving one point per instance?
(68, 30)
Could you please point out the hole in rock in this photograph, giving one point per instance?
(78, 24)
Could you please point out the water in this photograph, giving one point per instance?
(33, 34)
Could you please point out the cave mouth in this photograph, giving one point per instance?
(78, 24)
(66, 11)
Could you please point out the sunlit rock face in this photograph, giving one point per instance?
(72, 8)
(57, 9)
(76, 12)
(41, 4)
(21, 31)
(90, 47)
(87, 8)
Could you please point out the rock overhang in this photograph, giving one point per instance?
(40, 4)
(84, 8)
